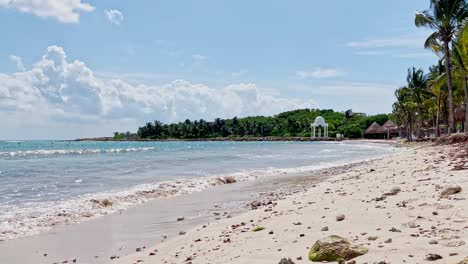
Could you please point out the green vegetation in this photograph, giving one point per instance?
(288, 124)
(258, 228)
(441, 96)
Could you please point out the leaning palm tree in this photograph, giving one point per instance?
(445, 17)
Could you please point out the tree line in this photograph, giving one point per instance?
(436, 100)
(288, 124)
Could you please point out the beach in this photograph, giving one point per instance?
(412, 225)
(391, 206)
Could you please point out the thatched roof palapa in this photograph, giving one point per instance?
(389, 126)
(373, 129)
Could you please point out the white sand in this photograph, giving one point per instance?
(418, 171)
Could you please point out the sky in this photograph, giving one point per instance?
(86, 68)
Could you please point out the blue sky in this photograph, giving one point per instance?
(76, 68)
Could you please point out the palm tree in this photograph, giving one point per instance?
(416, 89)
(461, 66)
(445, 17)
(438, 87)
(403, 110)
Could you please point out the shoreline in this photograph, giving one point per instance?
(25, 222)
(247, 139)
(405, 227)
(276, 186)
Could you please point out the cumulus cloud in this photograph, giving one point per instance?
(66, 11)
(18, 61)
(114, 16)
(56, 90)
(319, 73)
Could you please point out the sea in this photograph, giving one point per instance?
(49, 183)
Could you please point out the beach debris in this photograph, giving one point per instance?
(450, 191)
(258, 228)
(340, 217)
(334, 248)
(432, 257)
(325, 228)
(286, 261)
(465, 261)
(103, 202)
(393, 191)
(228, 180)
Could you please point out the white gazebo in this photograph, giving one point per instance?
(319, 123)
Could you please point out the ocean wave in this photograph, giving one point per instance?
(46, 152)
(35, 217)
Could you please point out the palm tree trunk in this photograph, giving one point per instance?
(451, 121)
(466, 105)
(421, 120)
(437, 117)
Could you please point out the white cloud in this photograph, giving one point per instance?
(18, 61)
(198, 59)
(356, 89)
(370, 53)
(319, 73)
(239, 73)
(62, 94)
(66, 11)
(402, 41)
(114, 16)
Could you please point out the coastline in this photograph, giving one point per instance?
(253, 139)
(59, 242)
(405, 227)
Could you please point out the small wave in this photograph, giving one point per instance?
(36, 217)
(46, 152)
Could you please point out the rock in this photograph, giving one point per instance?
(228, 180)
(180, 219)
(325, 228)
(388, 241)
(372, 238)
(393, 191)
(286, 261)
(450, 191)
(465, 261)
(335, 248)
(340, 217)
(182, 233)
(432, 257)
(102, 203)
(433, 242)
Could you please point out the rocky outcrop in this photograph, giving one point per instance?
(334, 248)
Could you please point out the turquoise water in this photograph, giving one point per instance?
(41, 179)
